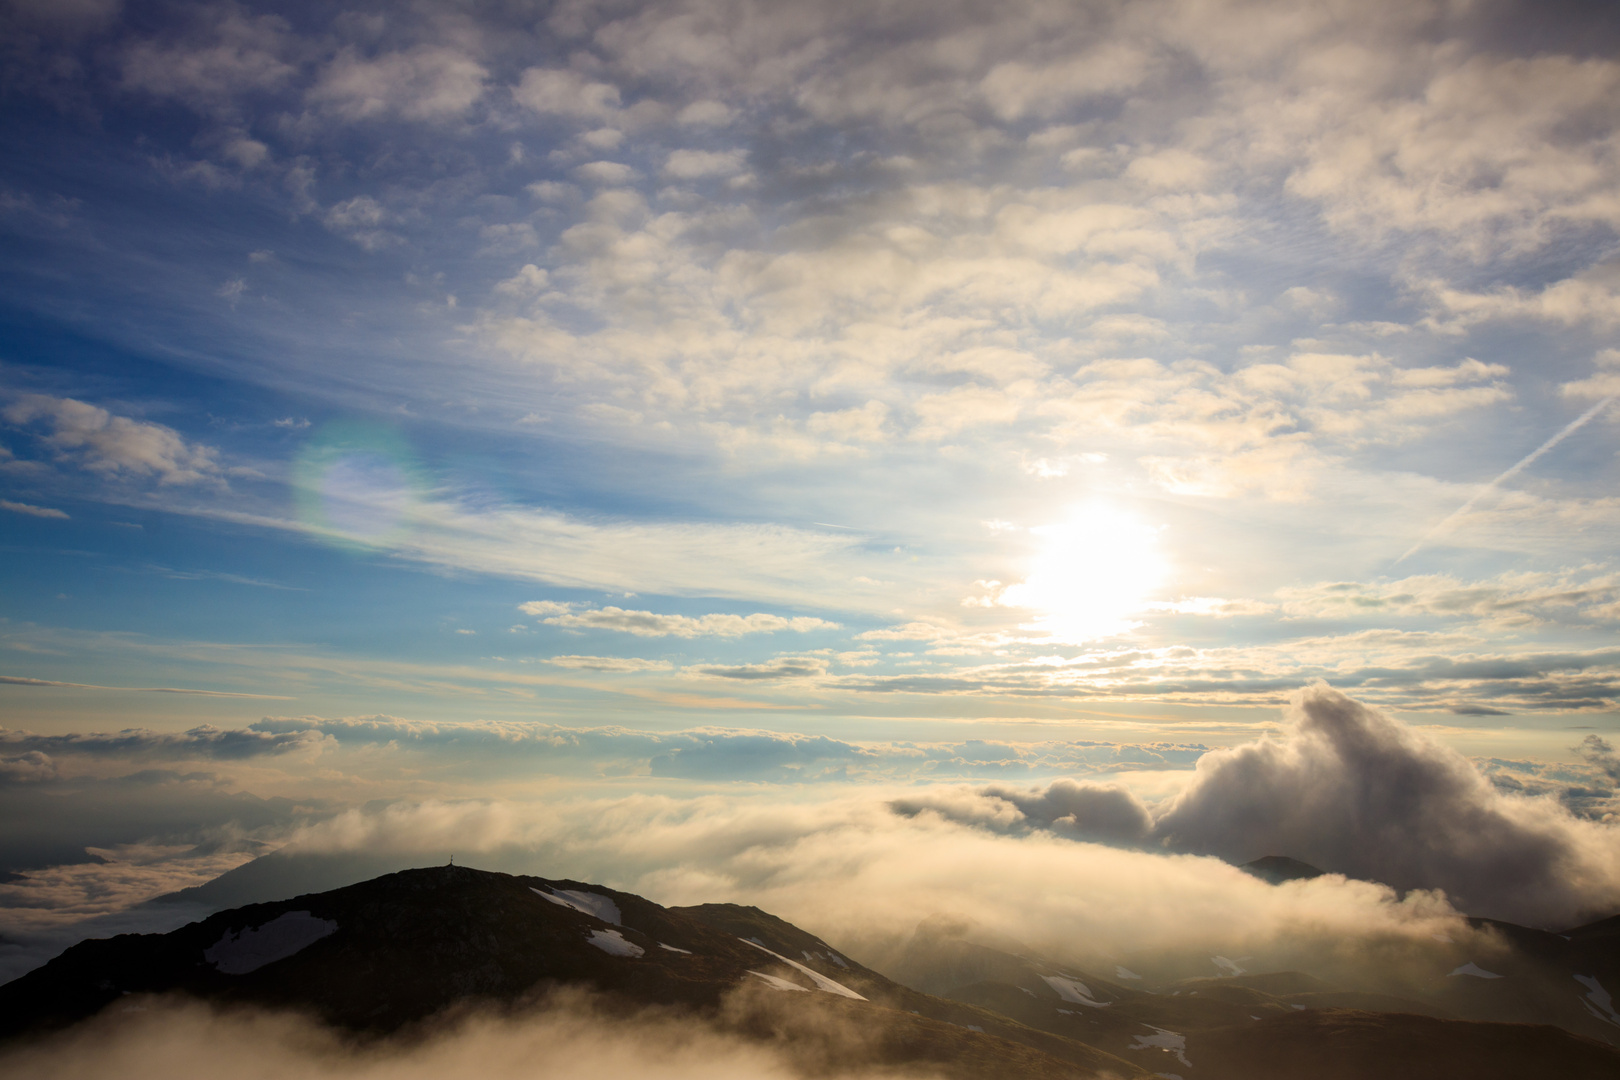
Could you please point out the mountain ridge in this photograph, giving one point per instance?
(412, 944)
(386, 956)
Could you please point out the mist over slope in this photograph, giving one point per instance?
(167, 1039)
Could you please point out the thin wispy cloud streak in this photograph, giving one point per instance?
(19, 680)
(1462, 511)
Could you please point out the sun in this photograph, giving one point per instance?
(1092, 573)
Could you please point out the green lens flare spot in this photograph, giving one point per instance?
(358, 486)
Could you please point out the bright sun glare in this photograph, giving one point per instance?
(1093, 572)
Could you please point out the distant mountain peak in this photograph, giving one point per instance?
(1280, 868)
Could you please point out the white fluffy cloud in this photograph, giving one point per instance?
(425, 83)
(696, 164)
(1604, 382)
(227, 53)
(115, 445)
(1351, 790)
(567, 93)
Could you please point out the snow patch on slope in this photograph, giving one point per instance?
(249, 950)
(821, 981)
(613, 943)
(828, 955)
(1476, 971)
(1163, 1040)
(1597, 1000)
(779, 984)
(586, 903)
(1074, 990)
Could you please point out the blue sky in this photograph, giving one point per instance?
(691, 363)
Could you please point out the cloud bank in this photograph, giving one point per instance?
(1080, 869)
(1343, 786)
(1353, 791)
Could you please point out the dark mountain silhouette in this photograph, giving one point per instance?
(1280, 868)
(280, 874)
(1347, 1044)
(386, 955)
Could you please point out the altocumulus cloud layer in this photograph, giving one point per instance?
(803, 325)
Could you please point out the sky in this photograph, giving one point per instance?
(443, 401)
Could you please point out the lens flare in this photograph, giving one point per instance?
(1091, 575)
(357, 485)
